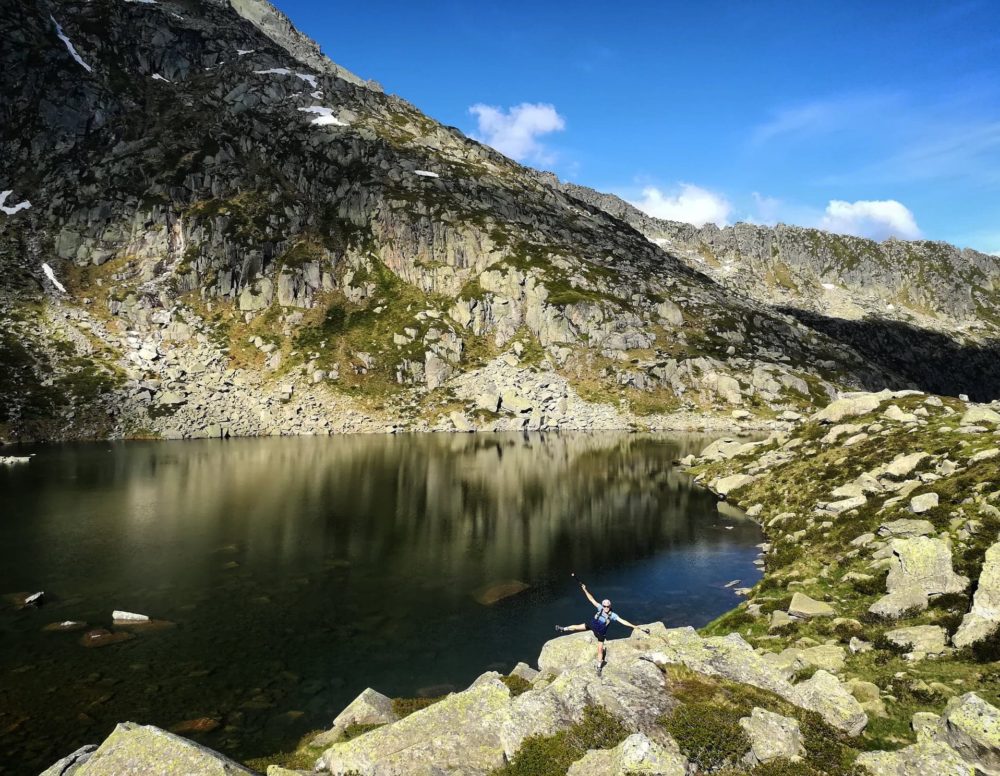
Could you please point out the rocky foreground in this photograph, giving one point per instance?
(869, 646)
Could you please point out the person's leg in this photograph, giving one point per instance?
(572, 628)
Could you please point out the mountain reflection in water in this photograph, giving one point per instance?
(299, 571)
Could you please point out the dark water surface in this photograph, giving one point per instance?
(300, 571)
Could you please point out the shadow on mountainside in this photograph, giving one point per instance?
(931, 360)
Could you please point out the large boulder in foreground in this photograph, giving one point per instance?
(369, 708)
(824, 694)
(144, 749)
(984, 617)
(921, 759)
(450, 735)
(850, 407)
(971, 727)
(925, 563)
(733, 658)
(919, 567)
(772, 736)
(479, 729)
(637, 754)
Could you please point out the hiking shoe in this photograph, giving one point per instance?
(560, 629)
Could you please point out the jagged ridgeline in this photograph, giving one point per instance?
(209, 228)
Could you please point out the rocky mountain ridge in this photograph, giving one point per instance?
(931, 284)
(926, 310)
(227, 233)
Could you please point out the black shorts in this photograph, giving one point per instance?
(600, 634)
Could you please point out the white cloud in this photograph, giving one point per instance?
(692, 204)
(515, 132)
(877, 219)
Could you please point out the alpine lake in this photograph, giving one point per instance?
(285, 575)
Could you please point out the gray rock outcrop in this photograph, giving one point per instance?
(637, 754)
(772, 736)
(971, 727)
(142, 749)
(983, 618)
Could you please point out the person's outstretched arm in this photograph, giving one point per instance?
(590, 598)
(627, 624)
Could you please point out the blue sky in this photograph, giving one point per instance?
(862, 117)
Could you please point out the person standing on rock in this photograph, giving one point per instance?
(599, 625)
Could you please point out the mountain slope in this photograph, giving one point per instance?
(253, 240)
(926, 310)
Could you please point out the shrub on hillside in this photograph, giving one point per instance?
(708, 734)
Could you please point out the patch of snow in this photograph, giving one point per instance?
(426, 173)
(829, 286)
(316, 95)
(309, 79)
(52, 276)
(324, 116)
(661, 241)
(158, 77)
(244, 52)
(144, 2)
(12, 210)
(69, 45)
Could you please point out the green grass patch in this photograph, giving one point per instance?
(548, 755)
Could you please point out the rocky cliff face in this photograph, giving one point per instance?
(227, 233)
(927, 310)
(931, 284)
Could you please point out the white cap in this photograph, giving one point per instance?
(605, 602)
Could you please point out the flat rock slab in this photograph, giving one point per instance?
(118, 617)
(144, 749)
(64, 626)
(929, 639)
(927, 758)
(906, 528)
(726, 485)
(101, 637)
(923, 563)
(983, 619)
(824, 694)
(369, 708)
(772, 735)
(804, 607)
(849, 407)
(449, 735)
(894, 605)
(198, 725)
(923, 503)
(971, 727)
(498, 591)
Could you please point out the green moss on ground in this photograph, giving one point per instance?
(302, 757)
(404, 707)
(705, 725)
(812, 553)
(548, 755)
